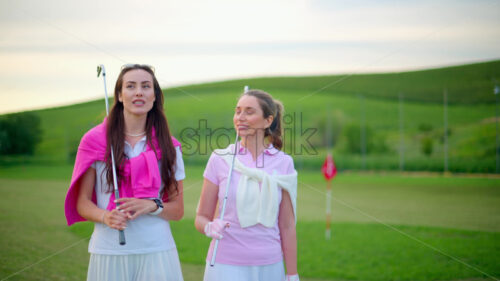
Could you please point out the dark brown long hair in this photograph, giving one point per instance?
(270, 107)
(115, 133)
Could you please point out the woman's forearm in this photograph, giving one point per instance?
(289, 246)
(84, 205)
(200, 223)
(206, 206)
(89, 210)
(172, 210)
(286, 224)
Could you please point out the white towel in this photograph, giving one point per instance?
(256, 205)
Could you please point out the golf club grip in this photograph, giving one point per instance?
(121, 237)
(212, 261)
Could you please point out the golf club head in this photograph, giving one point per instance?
(100, 68)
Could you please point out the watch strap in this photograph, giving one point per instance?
(157, 212)
(159, 204)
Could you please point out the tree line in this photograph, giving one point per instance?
(19, 133)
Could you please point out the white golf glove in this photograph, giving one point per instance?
(215, 228)
(292, 277)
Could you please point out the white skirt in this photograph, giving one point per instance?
(158, 266)
(226, 272)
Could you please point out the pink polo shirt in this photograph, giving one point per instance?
(257, 244)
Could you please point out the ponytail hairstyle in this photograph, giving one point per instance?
(156, 119)
(270, 107)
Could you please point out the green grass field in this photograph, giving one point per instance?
(386, 227)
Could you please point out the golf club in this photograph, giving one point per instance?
(100, 68)
(212, 261)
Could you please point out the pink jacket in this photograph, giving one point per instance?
(141, 175)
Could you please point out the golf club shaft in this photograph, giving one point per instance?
(121, 233)
(212, 261)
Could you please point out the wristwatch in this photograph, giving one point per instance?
(159, 204)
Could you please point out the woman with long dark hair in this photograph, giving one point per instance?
(150, 171)
(257, 235)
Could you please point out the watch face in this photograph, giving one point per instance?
(158, 203)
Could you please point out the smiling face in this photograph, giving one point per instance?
(249, 118)
(137, 92)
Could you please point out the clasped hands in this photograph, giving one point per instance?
(129, 209)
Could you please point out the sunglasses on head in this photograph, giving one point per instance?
(135, 65)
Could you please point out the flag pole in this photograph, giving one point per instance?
(496, 91)
(328, 233)
(328, 210)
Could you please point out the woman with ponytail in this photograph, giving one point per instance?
(257, 237)
(150, 171)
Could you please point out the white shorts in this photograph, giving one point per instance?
(226, 272)
(158, 266)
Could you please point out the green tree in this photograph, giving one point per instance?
(427, 138)
(427, 145)
(326, 137)
(374, 142)
(19, 133)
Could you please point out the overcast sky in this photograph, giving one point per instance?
(49, 49)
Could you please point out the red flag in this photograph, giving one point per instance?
(329, 170)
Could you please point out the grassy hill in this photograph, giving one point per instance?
(466, 84)
(370, 100)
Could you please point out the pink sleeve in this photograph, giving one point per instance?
(211, 169)
(175, 142)
(291, 168)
